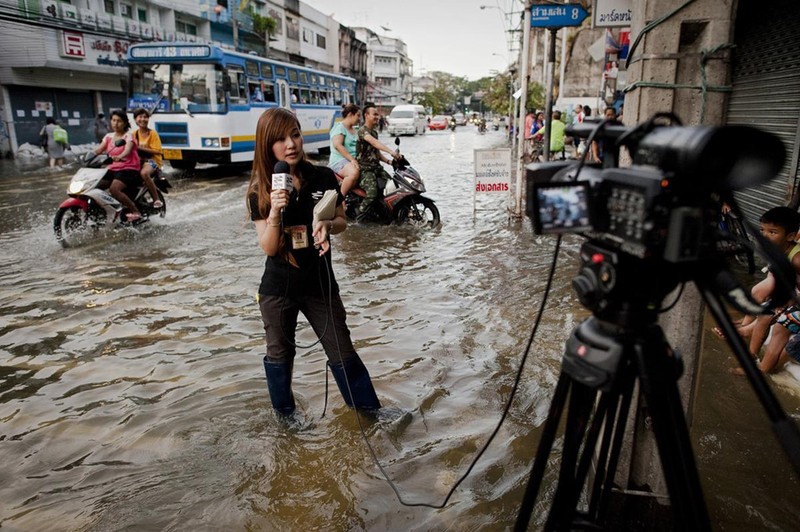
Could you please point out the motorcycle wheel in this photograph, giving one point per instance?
(73, 224)
(418, 211)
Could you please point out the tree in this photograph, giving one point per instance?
(262, 25)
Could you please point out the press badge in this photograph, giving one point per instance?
(299, 236)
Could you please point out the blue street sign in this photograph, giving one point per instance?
(557, 16)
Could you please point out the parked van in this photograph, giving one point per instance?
(407, 120)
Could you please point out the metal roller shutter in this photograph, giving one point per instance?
(766, 90)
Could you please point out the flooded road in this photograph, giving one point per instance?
(132, 393)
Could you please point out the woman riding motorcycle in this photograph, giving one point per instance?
(123, 172)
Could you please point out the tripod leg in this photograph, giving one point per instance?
(657, 376)
(543, 452)
(570, 484)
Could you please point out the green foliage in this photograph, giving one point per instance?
(448, 92)
(262, 25)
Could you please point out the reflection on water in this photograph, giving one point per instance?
(132, 394)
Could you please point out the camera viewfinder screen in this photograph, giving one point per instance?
(562, 208)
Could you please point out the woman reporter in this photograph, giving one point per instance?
(298, 276)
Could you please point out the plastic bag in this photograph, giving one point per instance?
(60, 135)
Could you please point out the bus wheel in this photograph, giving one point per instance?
(183, 165)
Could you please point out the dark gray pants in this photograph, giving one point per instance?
(328, 319)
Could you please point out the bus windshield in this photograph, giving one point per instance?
(164, 88)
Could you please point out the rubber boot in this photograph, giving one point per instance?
(279, 384)
(359, 383)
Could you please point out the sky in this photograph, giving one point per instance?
(453, 36)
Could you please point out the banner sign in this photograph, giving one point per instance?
(612, 13)
(493, 170)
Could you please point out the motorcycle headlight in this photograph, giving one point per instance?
(75, 187)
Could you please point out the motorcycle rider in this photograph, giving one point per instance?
(368, 155)
(453, 123)
(149, 148)
(124, 171)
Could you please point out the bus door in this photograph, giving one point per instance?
(345, 97)
(283, 92)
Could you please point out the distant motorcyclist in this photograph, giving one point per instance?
(368, 154)
(453, 123)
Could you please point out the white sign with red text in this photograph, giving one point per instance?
(493, 170)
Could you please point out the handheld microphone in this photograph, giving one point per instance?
(281, 179)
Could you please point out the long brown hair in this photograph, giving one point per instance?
(273, 125)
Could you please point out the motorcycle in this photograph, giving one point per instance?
(452, 125)
(89, 208)
(482, 126)
(402, 201)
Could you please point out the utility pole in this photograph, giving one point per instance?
(523, 99)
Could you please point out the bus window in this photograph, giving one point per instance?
(315, 97)
(254, 89)
(252, 69)
(304, 78)
(280, 71)
(305, 96)
(295, 95)
(322, 80)
(238, 94)
(269, 92)
(293, 76)
(338, 97)
(314, 79)
(266, 71)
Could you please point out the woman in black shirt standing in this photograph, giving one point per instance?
(298, 276)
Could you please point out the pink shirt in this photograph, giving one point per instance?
(131, 162)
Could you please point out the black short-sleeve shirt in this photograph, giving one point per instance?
(314, 272)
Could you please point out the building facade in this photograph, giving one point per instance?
(389, 70)
(68, 60)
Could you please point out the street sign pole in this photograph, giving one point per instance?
(553, 17)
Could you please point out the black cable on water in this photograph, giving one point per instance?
(506, 409)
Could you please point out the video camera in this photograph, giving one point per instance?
(666, 205)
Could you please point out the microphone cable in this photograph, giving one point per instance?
(504, 415)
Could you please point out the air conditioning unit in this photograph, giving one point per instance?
(180, 36)
(104, 21)
(133, 28)
(50, 9)
(88, 18)
(69, 12)
(147, 30)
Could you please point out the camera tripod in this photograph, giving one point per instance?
(605, 356)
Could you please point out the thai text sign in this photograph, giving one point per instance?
(612, 13)
(493, 170)
(557, 15)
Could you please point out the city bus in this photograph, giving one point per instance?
(205, 100)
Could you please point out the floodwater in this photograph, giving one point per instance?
(132, 394)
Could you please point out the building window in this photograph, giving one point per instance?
(278, 16)
(142, 14)
(109, 6)
(292, 28)
(183, 27)
(321, 41)
(126, 10)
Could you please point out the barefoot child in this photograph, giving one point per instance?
(780, 226)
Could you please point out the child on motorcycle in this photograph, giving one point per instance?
(149, 148)
(123, 172)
